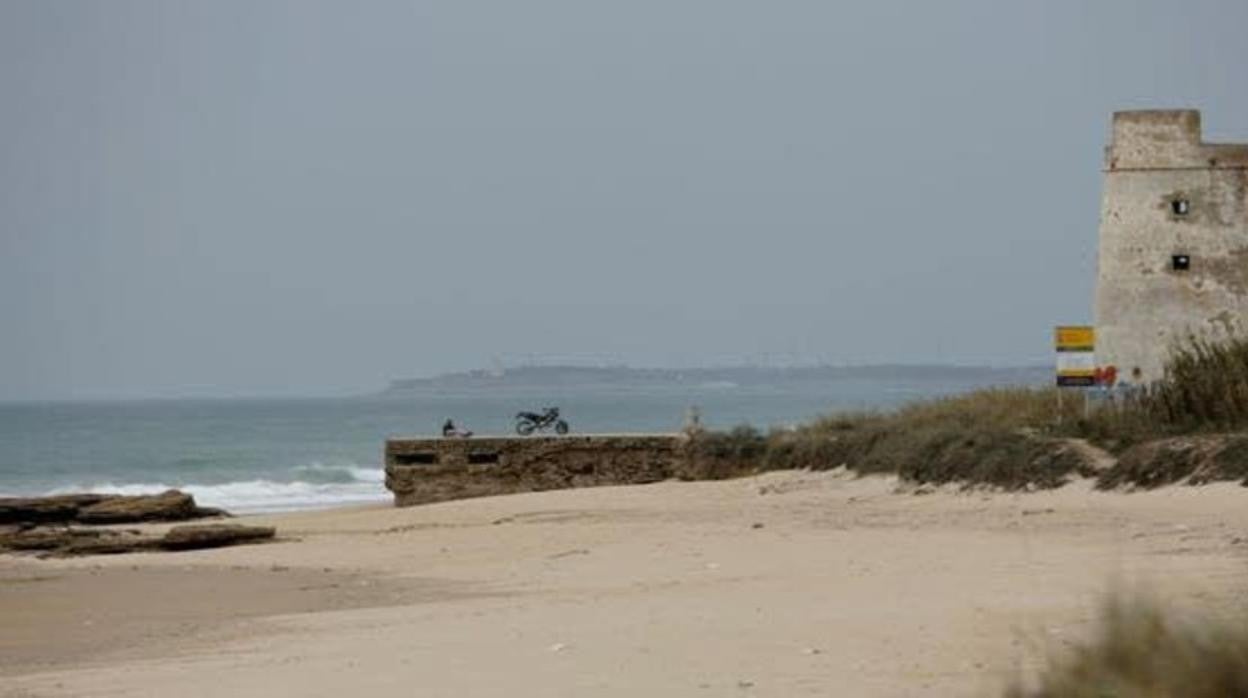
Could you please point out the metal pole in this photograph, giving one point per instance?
(1059, 405)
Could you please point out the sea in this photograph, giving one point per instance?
(268, 455)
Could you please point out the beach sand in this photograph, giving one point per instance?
(785, 584)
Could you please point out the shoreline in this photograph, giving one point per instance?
(370, 492)
(793, 582)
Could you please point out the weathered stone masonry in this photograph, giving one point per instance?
(425, 470)
(1173, 256)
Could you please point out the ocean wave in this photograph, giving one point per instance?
(261, 496)
(323, 473)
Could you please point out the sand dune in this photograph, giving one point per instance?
(786, 584)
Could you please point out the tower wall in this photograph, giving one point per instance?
(1168, 195)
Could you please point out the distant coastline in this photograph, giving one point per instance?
(725, 378)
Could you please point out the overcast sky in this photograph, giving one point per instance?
(239, 198)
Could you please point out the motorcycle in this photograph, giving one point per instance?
(529, 422)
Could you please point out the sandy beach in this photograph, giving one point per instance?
(785, 584)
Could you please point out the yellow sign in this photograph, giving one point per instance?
(1076, 362)
(1075, 338)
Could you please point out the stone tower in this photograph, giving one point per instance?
(1173, 256)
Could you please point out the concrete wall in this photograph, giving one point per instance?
(424, 470)
(1144, 305)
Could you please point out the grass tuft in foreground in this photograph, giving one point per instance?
(1141, 651)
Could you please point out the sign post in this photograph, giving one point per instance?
(1076, 360)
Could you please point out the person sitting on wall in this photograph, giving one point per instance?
(450, 431)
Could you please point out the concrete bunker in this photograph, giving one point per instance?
(425, 470)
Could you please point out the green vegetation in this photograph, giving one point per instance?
(1196, 459)
(1140, 651)
(1206, 387)
(721, 455)
(984, 437)
(1019, 438)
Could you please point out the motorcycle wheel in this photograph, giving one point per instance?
(524, 427)
(561, 427)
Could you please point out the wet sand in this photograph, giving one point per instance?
(786, 584)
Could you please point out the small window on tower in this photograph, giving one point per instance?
(1180, 262)
(1180, 207)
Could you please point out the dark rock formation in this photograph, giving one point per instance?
(35, 539)
(63, 542)
(44, 509)
(45, 525)
(74, 541)
(214, 536)
(167, 506)
(102, 509)
(105, 543)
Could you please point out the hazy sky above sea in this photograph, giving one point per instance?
(228, 198)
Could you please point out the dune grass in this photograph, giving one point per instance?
(1014, 437)
(1205, 387)
(988, 436)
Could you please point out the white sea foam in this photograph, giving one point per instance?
(344, 473)
(364, 486)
